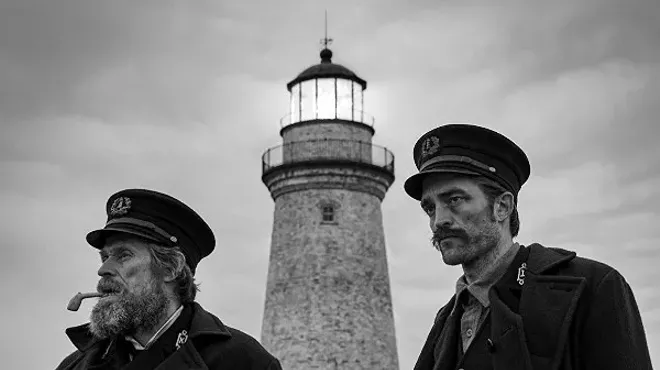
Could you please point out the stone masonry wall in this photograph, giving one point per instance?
(327, 130)
(356, 178)
(328, 301)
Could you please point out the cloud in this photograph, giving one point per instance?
(184, 97)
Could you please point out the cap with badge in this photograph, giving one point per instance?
(158, 217)
(469, 150)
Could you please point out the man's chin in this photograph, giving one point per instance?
(452, 252)
(451, 259)
(108, 318)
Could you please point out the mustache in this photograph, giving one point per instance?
(443, 233)
(107, 286)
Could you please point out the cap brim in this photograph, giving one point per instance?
(97, 238)
(413, 185)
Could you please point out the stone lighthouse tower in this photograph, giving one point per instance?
(328, 301)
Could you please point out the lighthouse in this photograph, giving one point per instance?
(328, 301)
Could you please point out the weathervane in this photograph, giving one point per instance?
(326, 41)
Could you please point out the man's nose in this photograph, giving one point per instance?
(107, 268)
(441, 219)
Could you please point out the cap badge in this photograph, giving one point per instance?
(120, 206)
(430, 146)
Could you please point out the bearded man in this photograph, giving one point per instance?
(516, 307)
(147, 317)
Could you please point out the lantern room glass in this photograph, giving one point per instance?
(358, 102)
(326, 98)
(295, 103)
(345, 99)
(308, 100)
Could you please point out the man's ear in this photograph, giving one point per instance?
(503, 206)
(171, 275)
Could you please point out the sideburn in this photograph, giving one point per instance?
(489, 232)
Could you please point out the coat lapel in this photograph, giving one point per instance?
(426, 359)
(534, 334)
(185, 357)
(508, 337)
(445, 350)
(547, 307)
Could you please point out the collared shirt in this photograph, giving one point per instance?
(474, 296)
(158, 333)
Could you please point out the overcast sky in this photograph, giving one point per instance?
(185, 96)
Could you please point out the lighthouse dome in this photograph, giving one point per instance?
(326, 69)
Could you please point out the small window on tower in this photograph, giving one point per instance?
(328, 209)
(328, 213)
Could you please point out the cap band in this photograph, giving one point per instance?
(146, 224)
(456, 158)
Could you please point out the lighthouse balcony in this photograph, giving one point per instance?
(328, 151)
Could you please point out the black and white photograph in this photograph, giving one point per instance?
(382, 185)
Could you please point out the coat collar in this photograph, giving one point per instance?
(203, 324)
(542, 259)
(81, 337)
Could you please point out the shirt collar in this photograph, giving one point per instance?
(479, 288)
(158, 333)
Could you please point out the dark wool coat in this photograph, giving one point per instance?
(210, 345)
(572, 314)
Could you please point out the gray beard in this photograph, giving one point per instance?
(125, 314)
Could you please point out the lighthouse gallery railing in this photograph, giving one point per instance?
(328, 149)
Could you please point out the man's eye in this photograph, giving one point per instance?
(428, 210)
(456, 199)
(124, 255)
